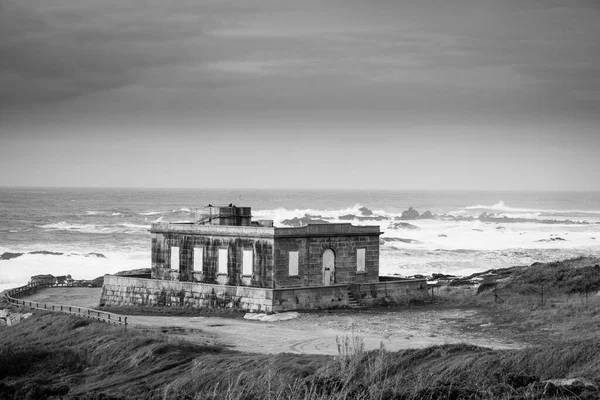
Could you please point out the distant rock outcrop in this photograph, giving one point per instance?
(8, 255)
(306, 220)
(351, 217)
(403, 225)
(403, 240)
(552, 239)
(426, 215)
(410, 214)
(365, 212)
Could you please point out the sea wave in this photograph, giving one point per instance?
(502, 207)
(79, 263)
(126, 228)
(151, 213)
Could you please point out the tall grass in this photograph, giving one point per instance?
(67, 357)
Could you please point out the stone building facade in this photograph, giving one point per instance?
(266, 257)
(212, 260)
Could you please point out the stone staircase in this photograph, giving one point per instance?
(352, 302)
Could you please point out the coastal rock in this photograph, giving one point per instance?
(365, 212)
(12, 319)
(99, 255)
(403, 225)
(46, 252)
(351, 217)
(403, 240)
(410, 214)
(426, 215)
(552, 239)
(306, 220)
(443, 277)
(8, 255)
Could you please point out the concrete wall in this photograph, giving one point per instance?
(212, 238)
(398, 292)
(122, 291)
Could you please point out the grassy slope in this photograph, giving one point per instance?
(67, 357)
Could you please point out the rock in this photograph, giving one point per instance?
(552, 239)
(442, 235)
(15, 318)
(306, 220)
(350, 217)
(364, 211)
(403, 225)
(410, 214)
(403, 240)
(46, 252)
(426, 215)
(478, 230)
(8, 255)
(443, 277)
(99, 255)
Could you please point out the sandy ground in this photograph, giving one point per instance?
(313, 332)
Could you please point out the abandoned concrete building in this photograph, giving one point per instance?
(225, 259)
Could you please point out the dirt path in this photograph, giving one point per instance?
(313, 332)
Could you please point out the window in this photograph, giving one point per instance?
(247, 262)
(175, 258)
(293, 263)
(360, 260)
(198, 259)
(223, 255)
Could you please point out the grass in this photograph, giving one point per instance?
(68, 357)
(61, 356)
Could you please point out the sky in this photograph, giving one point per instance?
(323, 94)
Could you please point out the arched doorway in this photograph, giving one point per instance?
(328, 267)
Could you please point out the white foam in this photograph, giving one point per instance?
(126, 228)
(501, 206)
(17, 272)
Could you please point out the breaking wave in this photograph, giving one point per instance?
(502, 207)
(126, 228)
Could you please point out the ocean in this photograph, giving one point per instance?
(89, 232)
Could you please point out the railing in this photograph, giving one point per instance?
(13, 294)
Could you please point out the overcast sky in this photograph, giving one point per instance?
(390, 94)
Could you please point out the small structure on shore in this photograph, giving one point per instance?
(225, 259)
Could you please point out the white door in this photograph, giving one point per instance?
(328, 267)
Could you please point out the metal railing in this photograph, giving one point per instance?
(12, 296)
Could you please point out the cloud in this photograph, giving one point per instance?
(216, 59)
